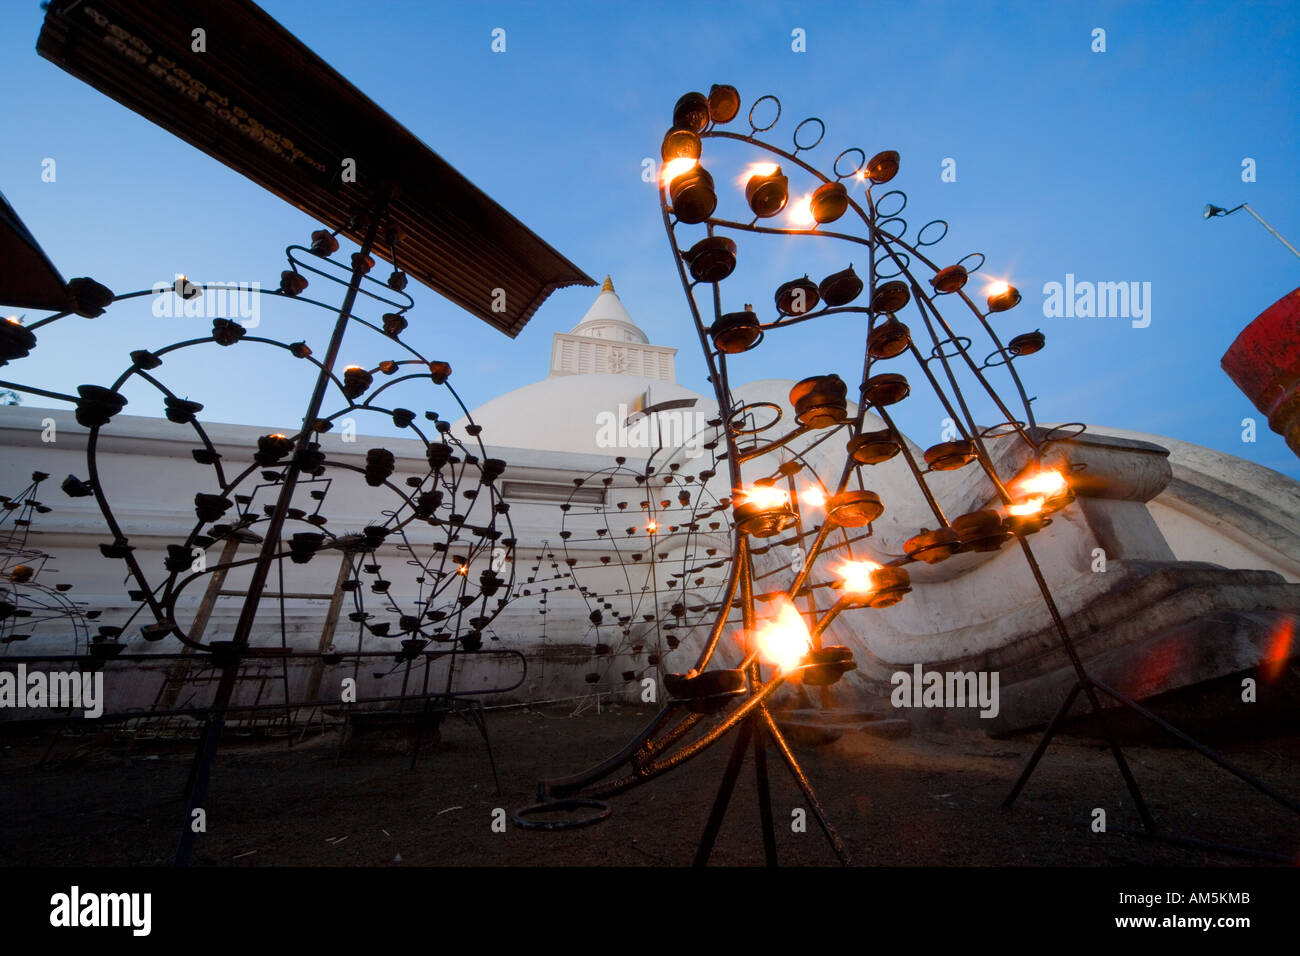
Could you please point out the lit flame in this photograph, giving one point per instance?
(1030, 507)
(463, 569)
(856, 575)
(813, 496)
(13, 319)
(652, 527)
(998, 288)
(756, 169)
(275, 435)
(1279, 651)
(764, 497)
(801, 212)
(784, 640)
(354, 368)
(1045, 483)
(675, 167)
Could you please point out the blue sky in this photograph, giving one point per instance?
(1068, 161)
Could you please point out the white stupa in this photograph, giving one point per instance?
(607, 340)
(603, 368)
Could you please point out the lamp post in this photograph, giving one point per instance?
(1212, 211)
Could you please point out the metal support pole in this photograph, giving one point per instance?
(201, 771)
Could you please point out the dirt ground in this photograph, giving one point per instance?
(928, 799)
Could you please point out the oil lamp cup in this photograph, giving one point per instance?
(356, 381)
(932, 546)
(680, 144)
(867, 584)
(890, 297)
(16, 341)
(693, 196)
(882, 167)
(1004, 297)
(797, 297)
(724, 102)
(887, 389)
(829, 202)
(763, 518)
(840, 288)
(825, 665)
(949, 280)
(692, 112)
(711, 259)
(950, 455)
(853, 509)
(736, 332)
(980, 530)
(767, 193)
(1026, 522)
(97, 405)
(820, 401)
(889, 339)
(872, 448)
(705, 693)
(1027, 343)
(292, 283)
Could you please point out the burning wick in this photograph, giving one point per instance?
(813, 496)
(652, 527)
(756, 169)
(856, 576)
(764, 497)
(1037, 489)
(784, 640)
(675, 167)
(463, 569)
(801, 212)
(1046, 483)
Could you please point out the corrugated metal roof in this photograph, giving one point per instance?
(264, 104)
(28, 280)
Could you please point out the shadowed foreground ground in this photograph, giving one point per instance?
(929, 799)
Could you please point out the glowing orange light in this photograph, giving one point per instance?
(801, 214)
(275, 435)
(813, 496)
(1045, 483)
(1030, 507)
(652, 527)
(856, 575)
(997, 288)
(463, 569)
(784, 640)
(1279, 651)
(14, 319)
(354, 368)
(675, 167)
(756, 169)
(765, 497)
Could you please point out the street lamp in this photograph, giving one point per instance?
(1212, 211)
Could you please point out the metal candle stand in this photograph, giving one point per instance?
(26, 601)
(705, 704)
(458, 495)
